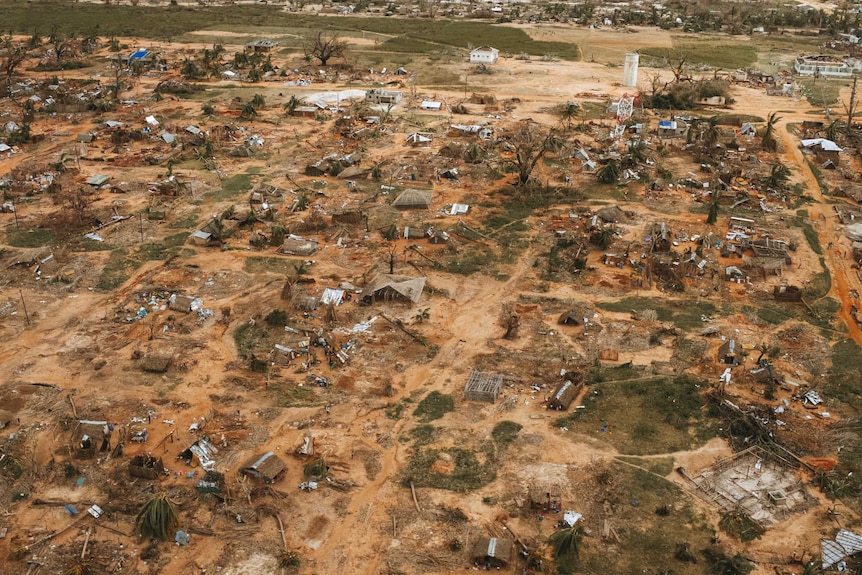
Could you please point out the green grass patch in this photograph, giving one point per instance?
(660, 466)
(187, 221)
(505, 433)
(284, 394)
(271, 265)
(718, 53)
(175, 21)
(737, 119)
(424, 434)
(818, 175)
(123, 262)
(453, 468)
(434, 406)
(683, 314)
(821, 92)
(773, 314)
(250, 338)
(29, 238)
(234, 185)
(395, 410)
(644, 417)
(654, 520)
(740, 526)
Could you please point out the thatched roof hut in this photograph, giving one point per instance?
(389, 286)
(146, 467)
(156, 362)
(267, 467)
(411, 199)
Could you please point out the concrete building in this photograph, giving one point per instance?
(828, 66)
(484, 55)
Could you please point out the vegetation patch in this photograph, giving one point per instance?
(506, 432)
(272, 265)
(423, 434)
(232, 186)
(644, 417)
(685, 315)
(453, 468)
(660, 466)
(29, 238)
(434, 406)
(740, 526)
(717, 53)
(654, 521)
(124, 261)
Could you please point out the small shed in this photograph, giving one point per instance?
(200, 453)
(484, 55)
(146, 466)
(564, 395)
(483, 386)
(156, 362)
(728, 353)
(545, 496)
(183, 303)
(411, 199)
(787, 293)
(200, 238)
(492, 552)
(91, 436)
(267, 468)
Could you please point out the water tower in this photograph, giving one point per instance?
(630, 70)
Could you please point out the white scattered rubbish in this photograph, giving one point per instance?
(95, 511)
(459, 209)
(168, 421)
(151, 120)
(308, 485)
(94, 236)
(194, 426)
(825, 415)
(571, 517)
(363, 326)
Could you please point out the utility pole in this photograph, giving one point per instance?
(15, 213)
(24, 305)
(851, 107)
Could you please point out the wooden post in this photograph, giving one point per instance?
(24, 304)
(415, 501)
(141, 224)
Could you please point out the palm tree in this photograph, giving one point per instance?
(778, 176)
(637, 154)
(292, 104)
(713, 211)
(832, 130)
(609, 173)
(158, 517)
(568, 112)
(712, 133)
(567, 542)
(248, 111)
(769, 141)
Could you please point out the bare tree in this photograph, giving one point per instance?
(323, 47)
(13, 55)
(61, 44)
(529, 144)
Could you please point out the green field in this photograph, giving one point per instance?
(172, 23)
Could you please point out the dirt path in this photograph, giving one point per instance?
(821, 214)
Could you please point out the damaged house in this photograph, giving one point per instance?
(388, 287)
(200, 453)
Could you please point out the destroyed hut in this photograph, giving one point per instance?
(483, 386)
